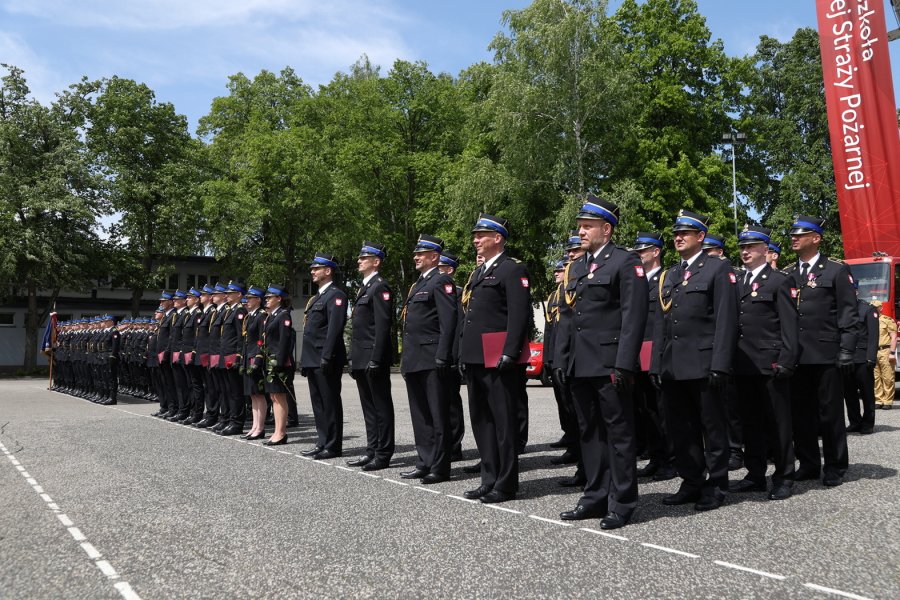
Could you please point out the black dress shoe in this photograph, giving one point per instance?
(746, 485)
(805, 475)
(476, 468)
(573, 481)
(326, 454)
(581, 512)
(665, 473)
(709, 502)
(432, 478)
(496, 496)
(681, 497)
(781, 492)
(887, 406)
(833, 479)
(866, 430)
(648, 470)
(614, 520)
(560, 443)
(280, 442)
(204, 424)
(219, 426)
(360, 462)
(854, 427)
(414, 474)
(735, 461)
(568, 458)
(312, 451)
(231, 430)
(254, 436)
(377, 465)
(156, 414)
(478, 492)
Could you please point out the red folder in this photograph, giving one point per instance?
(492, 347)
(646, 354)
(161, 356)
(176, 357)
(214, 360)
(204, 360)
(188, 358)
(230, 360)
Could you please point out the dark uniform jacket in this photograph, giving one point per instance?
(698, 330)
(232, 342)
(372, 318)
(826, 300)
(551, 316)
(189, 336)
(178, 318)
(499, 301)
(768, 329)
(429, 324)
(203, 343)
(323, 329)
(279, 338)
(654, 314)
(610, 313)
(163, 335)
(252, 339)
(152, 345)
(867, 340)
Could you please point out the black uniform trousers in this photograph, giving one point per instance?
(212, 392)
(374, 386)
(197, 377)
(818, 409)
(695, 418)
(735, 427)
(649, 420)
(570, 437)
(457, 416)
(233, 385)
(522, 408)
(765, 411)
(168, 397)
(429, 409)
(112, 381)
(607, 439)
(860, 387)
(182, 389)
(493, 409)
(328, 409)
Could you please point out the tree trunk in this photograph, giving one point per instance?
(31, 325)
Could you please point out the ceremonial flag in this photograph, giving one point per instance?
(49, 334)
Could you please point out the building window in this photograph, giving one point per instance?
(7, 319)
(201, 281)
(60, 317)
(173, 281)
(189, 283)
(308, 287)
(213, 279)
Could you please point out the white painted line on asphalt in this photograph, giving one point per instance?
(126, 591)
(604, 533)
(372, 475)
(425, 489)
(283, 452)
(395, 481)
(31, 481)
(91, 551)
(461, 498)
(342, 467)
(554, 521)
(672, 550)
(13, 460)
(25, 474)
(107, 569)
(303, 457)
(827, 590)
(504, 509)
(722, 563)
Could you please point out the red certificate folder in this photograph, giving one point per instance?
(646, 350)
(492, 346)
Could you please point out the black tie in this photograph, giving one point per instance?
(684, 265)
(804, 267)
(748, 277)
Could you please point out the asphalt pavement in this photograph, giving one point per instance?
(108, 502)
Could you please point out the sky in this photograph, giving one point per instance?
(186, 49)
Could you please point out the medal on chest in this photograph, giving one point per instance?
(754, 286)
(687, 275)
(811, 280)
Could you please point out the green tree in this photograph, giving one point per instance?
(48, 200)
(789, 149)
(151, 167)
(685, 88)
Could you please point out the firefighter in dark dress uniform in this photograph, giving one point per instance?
(190, 363)
(252, 367)
(829, 321)
(768, 347)
(231, 346)
(607, 291)
(497, 300)
(859, 387)
(203, 347)
(448, 265)
(693, 352)
(371, 354)
(168, 405)
(323, 356)
(279, 341)
(429, 325)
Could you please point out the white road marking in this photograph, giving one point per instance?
(395, 481)
(283, 452)
(672, 550)
(461, 498)
(425, 489)
(93, 554)
(827, 590)
(504, 509)
(372, 475)
(749, 570)
(554, 521)
(342, 467)
(604, 533)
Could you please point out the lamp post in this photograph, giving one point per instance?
(734, 138)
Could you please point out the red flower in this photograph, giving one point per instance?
(259, 343)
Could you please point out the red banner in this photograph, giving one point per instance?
(862, 119)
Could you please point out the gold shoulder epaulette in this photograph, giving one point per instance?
(837, 260)
(516, 260)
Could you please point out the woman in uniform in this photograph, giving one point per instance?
(278, 352)
(253, 364)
